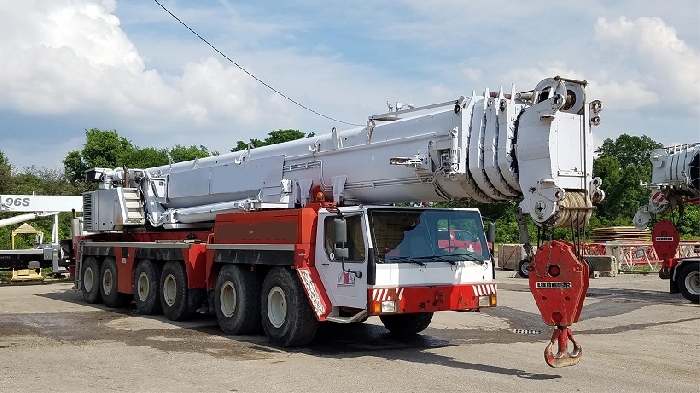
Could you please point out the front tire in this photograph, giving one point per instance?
(237, 300)
(147, 287)
(90, 280)
(173, 289)
(407, 324)
(688, 280)
(287, 317)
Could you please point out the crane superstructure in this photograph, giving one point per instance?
(307, 231)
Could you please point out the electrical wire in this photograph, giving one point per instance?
(249, 74)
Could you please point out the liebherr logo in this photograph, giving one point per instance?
(554, 285)
(664, 239)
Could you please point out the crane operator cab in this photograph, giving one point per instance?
(365, 250)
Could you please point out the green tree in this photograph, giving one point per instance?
(5, 173)
(274, 137)
(629, 150)
(146, 157)
(623, 164)
(105, 149)
(180, 153)
(74, 167)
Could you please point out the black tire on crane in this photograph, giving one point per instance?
(174, 292)
(406, 324)
(287, 317)
(147, 287)
(523, 267)
(109, 289)
(688, 280)
(90, 280)
(237, 300)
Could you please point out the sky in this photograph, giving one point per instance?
(71, 65)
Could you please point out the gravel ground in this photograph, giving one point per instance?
(636, 338)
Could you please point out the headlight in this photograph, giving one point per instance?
(388, 306)
(487, 301)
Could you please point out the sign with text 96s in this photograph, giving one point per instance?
(40, 203)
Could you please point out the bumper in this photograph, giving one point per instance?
(430, 299)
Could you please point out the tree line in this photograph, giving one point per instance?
(622, 163)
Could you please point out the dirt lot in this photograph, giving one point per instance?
(636, 338)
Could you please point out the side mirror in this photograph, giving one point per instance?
(491, 232)
(340, 230)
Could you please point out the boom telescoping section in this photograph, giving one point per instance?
(490, 148)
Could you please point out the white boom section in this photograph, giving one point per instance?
(675, 174)
(491, 147)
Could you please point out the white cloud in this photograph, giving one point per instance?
(665, 68)
(158, 85)
(628, 95)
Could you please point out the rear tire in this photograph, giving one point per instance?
(237, 300)
(407, 324)
(523, 267)
(173, 291)
(109, 288)
(287, 317)
(147, 287)
(688, 280)
(90, 280)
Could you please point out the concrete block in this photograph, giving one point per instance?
(606, 265)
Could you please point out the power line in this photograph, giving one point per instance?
(249, 74)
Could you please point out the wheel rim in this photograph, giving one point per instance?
(692, 282)
(276, 307)
(143, 286)
(228, 299)
(523, 268)
(88, 279)
(107, 282)
(169, 289)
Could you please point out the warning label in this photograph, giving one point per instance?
(554, 285)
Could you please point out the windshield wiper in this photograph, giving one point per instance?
(406, 259)
(436, 257)
(469, 257)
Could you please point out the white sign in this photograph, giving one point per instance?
(40, 203)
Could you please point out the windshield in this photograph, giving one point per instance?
(427, 235)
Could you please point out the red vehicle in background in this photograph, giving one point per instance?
(459, 238)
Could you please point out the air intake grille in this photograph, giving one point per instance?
(87, 211)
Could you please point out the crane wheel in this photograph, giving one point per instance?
(287, 317)
(173, 291)
(90, 280)
(523, 267)
(407, 324)
(688, 280)
(147, 287)
(237, 300)
(108, 285)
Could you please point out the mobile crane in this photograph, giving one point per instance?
(675, 182)
(290, 235)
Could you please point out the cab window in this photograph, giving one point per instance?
(355, 243)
